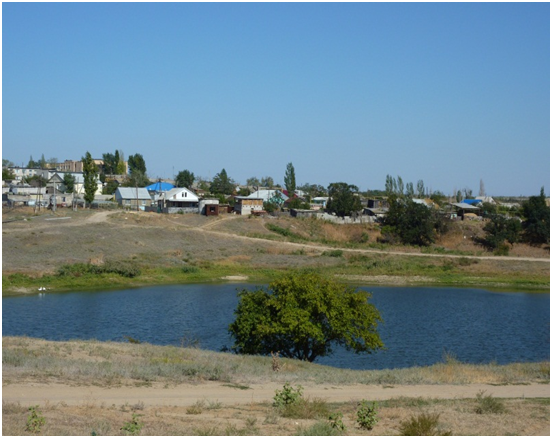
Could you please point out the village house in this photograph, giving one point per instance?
(133, 198)
(246, 205)
(178, 200)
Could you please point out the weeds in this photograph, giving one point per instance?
(291, 404)
(287, 396)
(134, 426)
(366, 415)
(422, 425)
(487, 404)
(320, 428)
(35, 420)
(336, 421)
(196, 408)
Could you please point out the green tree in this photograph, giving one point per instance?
(302, 315)
(267, 181)
(137, 169)
(438, 197)
(221, 184)
(6, 163)
(69, 182)
(500, 229)
(536, 224)
(344, 200)
(390, 185)
(400, 186)
(185, 178)
(289, 180)
(110, 164)
(137, 179)
(121, 166)
(110, 187)
(410, 222)
(313, 190)
(7, 174)
(253, 181)
(420, 189)
(136, 164)
(42, 162)
(90, 173)
(32, 163)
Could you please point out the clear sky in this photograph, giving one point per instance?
(450, 93)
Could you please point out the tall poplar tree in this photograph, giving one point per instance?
(289, 180)
(90, 172)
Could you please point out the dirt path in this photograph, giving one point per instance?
(323, 248)
(188, 394)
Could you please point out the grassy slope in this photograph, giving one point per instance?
(110, 363)
(190, 248)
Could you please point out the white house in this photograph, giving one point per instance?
(179, 199)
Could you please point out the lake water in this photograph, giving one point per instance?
(421, 324)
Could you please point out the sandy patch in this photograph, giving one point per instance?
(235, 278)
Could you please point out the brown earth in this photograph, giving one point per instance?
(217, 409)
(40, 244)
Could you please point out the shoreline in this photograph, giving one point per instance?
(27, 285)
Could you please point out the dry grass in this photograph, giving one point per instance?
(106, 363)
(526, 417)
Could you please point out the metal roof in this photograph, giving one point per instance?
(132, 193)
(464, 206)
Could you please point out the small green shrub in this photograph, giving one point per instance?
(487, 404)
(333, 253)
(126, 269)
(366, 415)
(336, 421)
(35, 420)
(422, 425)
(187, 269)
(279, 230)
(287, 396)
(134, 426)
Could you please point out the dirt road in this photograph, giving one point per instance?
(188, 394)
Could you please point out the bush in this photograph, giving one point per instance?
(123, 268)
(287, 396)
(336, 421)
(487, 404)
(134, 426)
(187, 269)
(366, 415)
(422, 425)
(333, 253)
(279, 230)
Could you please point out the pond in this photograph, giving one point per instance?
(421, 324)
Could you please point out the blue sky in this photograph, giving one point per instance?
(450, 93)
